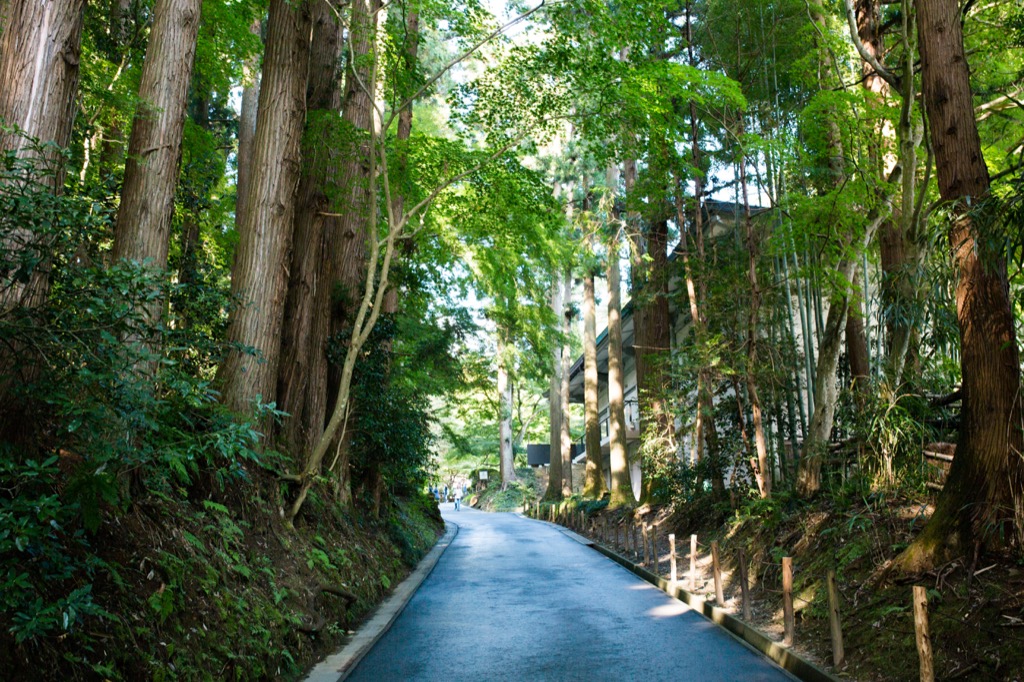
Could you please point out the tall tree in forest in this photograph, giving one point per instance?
(40, 42)
(247, 127)
(259, 278)
(594, 485)
(621, 487)
(143, 227)
(300, 393)
(982, 502)
(555, 411)
(506, 465)
(565, 440)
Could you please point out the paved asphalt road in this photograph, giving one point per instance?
(516, 599)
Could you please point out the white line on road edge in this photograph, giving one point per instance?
(339, 665)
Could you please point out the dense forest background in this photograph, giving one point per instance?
(269, 271)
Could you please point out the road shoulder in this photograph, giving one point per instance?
(339, 665)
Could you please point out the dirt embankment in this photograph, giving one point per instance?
(218, 589)
(976, 605)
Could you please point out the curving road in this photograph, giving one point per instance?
(518, 599)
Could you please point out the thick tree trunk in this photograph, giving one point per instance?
(981, 504)
(857, 341)
(247, 129)
(554, 491)
(40, 44)
(622, 488)
(594, 487)
(343, 272)
(260, 276)
(319, 166)
(566, 441)
(143, 227)
(506, 462)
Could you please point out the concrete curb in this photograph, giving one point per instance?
(757, 640)
(340, 665)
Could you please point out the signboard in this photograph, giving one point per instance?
(483, 475)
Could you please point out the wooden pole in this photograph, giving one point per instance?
(836, 627)
(717, 567)
(655, 557)
(672, 558)
(787, 601)
(924, 640)
(636, 541)
(744, 586)
(693, 563)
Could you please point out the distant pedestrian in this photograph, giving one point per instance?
(458, 502)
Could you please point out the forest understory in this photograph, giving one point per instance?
(218, 588)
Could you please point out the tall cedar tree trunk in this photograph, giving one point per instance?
(594, 486)
(652, 333)
(40, 45)
(505, 455)
(323, 102)
(563, 389)
(143, 228)
(260, 276)
(554, 490)
(981, 503)
(343, 265)
(247, 128)
(622, 488)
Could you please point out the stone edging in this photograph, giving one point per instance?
(340, 664)
(787, 660)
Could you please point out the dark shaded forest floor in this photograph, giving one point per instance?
(976, 605)
(217, 588)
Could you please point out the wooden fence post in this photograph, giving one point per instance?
(655, 557)
(717, 567)
(744, 586)
(835, 625)
(924, 640)
(787, 601)
(636, 541)
(672, 558)
(693, 563)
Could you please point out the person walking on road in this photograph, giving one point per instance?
(458, 502)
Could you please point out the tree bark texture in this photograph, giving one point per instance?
(247, 129)
(566, 439)
(594, 486)
(260, 276)
(506, 455)
(143, 227)
(302, 392)
(554, 491)
(622, 488)
(652, 333)
(40, 45)
(981, 502)
(343, 264)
